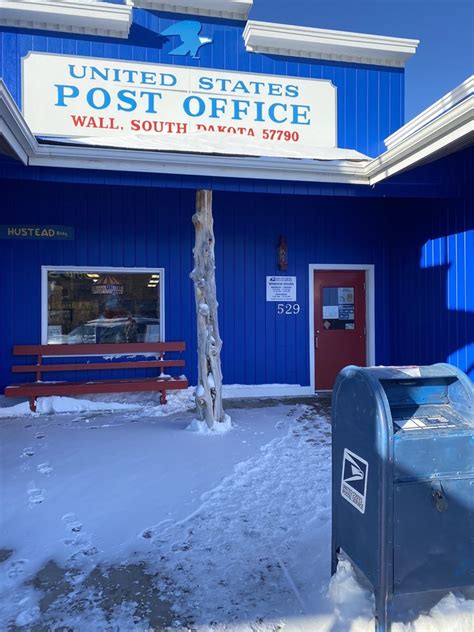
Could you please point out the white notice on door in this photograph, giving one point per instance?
(281, 288)
(331, 312)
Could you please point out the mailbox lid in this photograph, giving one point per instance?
(433, 549)
(412, 392)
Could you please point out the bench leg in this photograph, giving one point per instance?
(163, 399)
(33, 404)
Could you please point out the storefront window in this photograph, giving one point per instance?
(96, 306)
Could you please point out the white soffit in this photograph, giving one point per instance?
(303, 41)
(449, 100)
(233, 9)
(89, 17)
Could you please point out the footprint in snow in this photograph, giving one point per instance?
(35, 496)
(71, 522)
(84, 552)
(27, 452)
(40, 435)
(16, 568)
(27, 617)
(158, 529)
(148, 534)
(78, 539)
(44, 468)
(74, 528)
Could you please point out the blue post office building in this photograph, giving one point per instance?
(344, 234)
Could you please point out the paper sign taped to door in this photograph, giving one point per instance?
(331, 312)
(345, 295)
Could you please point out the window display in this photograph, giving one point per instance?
(98, 306)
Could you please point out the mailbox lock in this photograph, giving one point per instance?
(439, 497)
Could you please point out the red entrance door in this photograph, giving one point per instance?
(339, 323)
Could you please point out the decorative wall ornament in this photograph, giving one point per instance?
(188, 31)
(282, 254)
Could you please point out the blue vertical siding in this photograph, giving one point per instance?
(422, 249)
(432, 273)
(144, 227)
(370, 98)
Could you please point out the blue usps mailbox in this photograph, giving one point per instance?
(403, 479)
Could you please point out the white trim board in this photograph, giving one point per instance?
(369, 311)
(230, 9)
(182, 163)
(44, 291)
(303, 41)
(68, 16)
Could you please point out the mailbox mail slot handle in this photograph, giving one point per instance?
(439, 497)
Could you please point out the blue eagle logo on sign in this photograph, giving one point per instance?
(188, 31)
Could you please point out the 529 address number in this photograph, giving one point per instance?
(288, 308)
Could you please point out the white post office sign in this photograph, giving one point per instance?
(153, 106)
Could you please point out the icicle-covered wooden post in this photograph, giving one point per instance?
(209, 388)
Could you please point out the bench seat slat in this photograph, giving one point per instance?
(129, 348)
(96, 366)
(38, 389)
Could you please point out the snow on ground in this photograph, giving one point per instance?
(148, 403)
(123, 521)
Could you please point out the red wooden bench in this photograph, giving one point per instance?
(161, 382)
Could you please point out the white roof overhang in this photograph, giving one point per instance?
(16, 139)
(444, 128)
(304, 41)
(230, 9)
(450, 131)
(90, 17)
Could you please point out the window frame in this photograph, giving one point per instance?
(101, 269)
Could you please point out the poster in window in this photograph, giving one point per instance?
(346, 312)
(345, 295)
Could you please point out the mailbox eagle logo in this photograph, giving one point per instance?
(188, 32)
(354, 480)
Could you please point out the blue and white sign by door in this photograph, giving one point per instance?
(152, 106)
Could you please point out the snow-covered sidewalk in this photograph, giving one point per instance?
(126, 521)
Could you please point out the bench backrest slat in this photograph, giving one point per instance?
(96, 366)
(129, 348)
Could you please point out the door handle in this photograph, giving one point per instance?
(316, 339)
